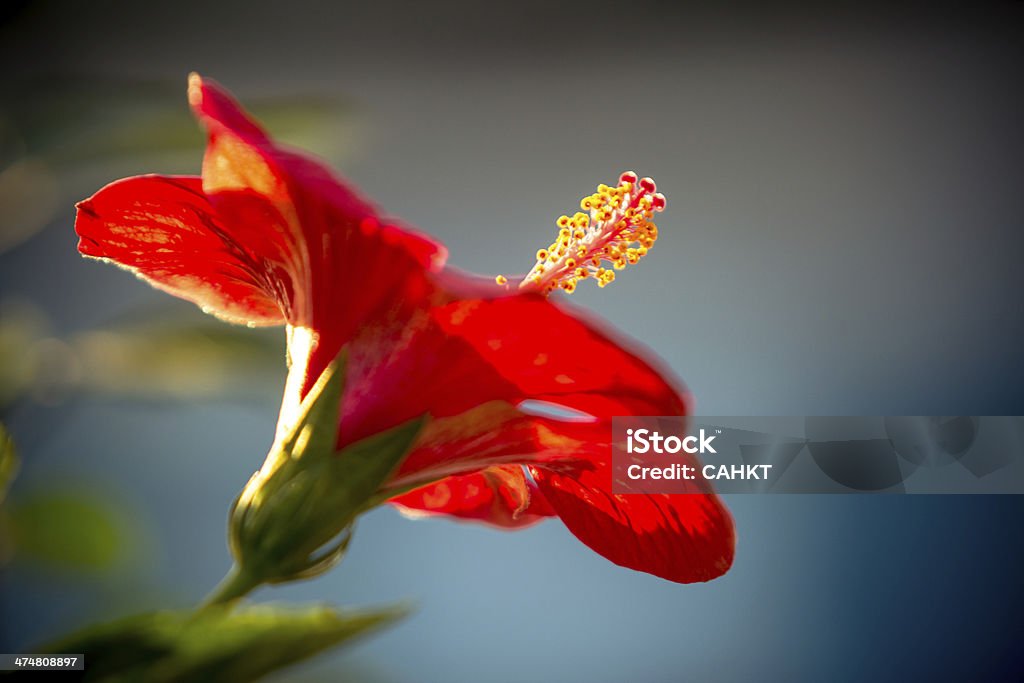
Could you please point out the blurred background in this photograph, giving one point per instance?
(843, 237)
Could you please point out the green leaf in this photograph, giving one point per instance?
(216, 644)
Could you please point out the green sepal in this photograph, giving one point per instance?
(295, 517)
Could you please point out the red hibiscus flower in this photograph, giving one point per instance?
(268, 236)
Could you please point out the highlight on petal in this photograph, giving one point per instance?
(163, 229)
(215, 107)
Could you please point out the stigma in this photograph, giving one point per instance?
(613, 229)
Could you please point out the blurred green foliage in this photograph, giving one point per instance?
(8, 462)
(74, 529)
(168, 353)
(217, 644)
(88, 119)
(70, 530)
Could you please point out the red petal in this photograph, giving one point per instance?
(487, 356)
(548, 354)
(501, 496)
(684, 538)
(346, 265)
(460, 355)
(164, 230)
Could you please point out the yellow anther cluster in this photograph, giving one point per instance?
(614, 229)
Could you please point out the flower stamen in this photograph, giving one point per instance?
(614, 229)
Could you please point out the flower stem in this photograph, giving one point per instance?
(235, 584)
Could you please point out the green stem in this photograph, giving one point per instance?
(236, 584)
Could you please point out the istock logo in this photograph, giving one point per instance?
(647, 441)
(817, 454)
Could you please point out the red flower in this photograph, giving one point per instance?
(267, 236)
